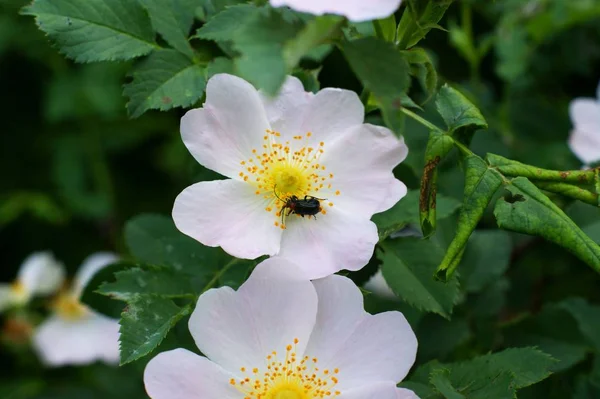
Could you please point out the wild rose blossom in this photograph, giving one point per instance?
(313, 147)
(354, 10)
(40, 274)
(282, 336)
(75, 334)
(585, 136)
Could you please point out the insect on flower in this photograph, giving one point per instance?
(309, 206)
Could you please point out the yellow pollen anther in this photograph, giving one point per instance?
(279, 171)
(288, 377)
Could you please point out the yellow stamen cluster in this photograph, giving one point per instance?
(291, 378)
(281, 170)
(69, 307)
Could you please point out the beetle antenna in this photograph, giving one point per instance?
(275, 192)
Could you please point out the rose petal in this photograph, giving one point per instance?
(90, 266)
(227, 213)
(181, 374)
(378, 286)
(62, 342)
(41, 274)
(365, 349)
(403, 393)
(288, 101)
(362, 161)
(333, 242)
(585, 145)
(271, 309)
(232, 122)
(325, 115)
(379, 390)
(354, 10)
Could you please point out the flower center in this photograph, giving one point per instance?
(69, 307)
(289, 378)
(289, 174)
(19, 292)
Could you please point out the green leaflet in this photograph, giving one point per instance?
(173, 20)
(136, 282)
(164, 80)
(529, 211)
(406, 211)
(145, 323)
(383, 71)
(407, 267)
(113, 29)
(458, 112)
(438, 146)
(481, 183)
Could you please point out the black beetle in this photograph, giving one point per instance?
(308, 206)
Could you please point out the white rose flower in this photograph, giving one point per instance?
(75, 334)
(40, 274)
(354, 10)
(585, 136)
(299, 153)
(282, 336)
(379, 287)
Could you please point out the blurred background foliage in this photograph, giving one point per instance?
(74, 168)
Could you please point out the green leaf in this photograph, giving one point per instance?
(418, 19)
(95, 30)
(102, 304)
(134, 283)
(438, 146)
(259, 36)
(422, 68)
(406, 211)
(486, 259)
(588, 318)
(457, 111)
(173, 20)
(383, 71)
(164, 80)
(386, 28)
(527, 210)
(440, 379)
(260, 42)
(527, 366)
(154, 239)
(379, 67)
(145, 323)
(554, 331)
(481, 183)
(407, 266)
(316, 32)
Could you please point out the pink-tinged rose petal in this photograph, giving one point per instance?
(354, 10)
(181, 374)
(227, 213)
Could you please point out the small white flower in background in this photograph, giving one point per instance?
(311, 151)
(75, 334)
(354, 10)
(585, 136)
(281, 336)
(379, 287)
(40, 274)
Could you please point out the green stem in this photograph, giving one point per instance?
(378, 30)
(463, 148)
(421, 120)
(219, 274)
(569, 190)
(513, 168)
